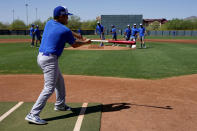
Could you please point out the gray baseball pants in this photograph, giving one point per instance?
(53, 80)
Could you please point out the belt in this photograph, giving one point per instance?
(47, 54)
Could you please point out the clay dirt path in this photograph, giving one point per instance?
(97, 47)
(148, 40)
(14, 40)
(128, 104)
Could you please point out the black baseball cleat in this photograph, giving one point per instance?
(63, 108)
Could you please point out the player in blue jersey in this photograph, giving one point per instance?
(134, 33)
(32, 34)
(55, 35)
(100, 30)
(79, 32)
(114, 34)
(127, 32)
(38, 35)
(142, 31)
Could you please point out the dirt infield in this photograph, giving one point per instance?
(128, 104)
(147, 40)
(14, 40)
(97, 47)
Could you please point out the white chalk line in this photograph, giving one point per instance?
(80, 117)
(11, 110)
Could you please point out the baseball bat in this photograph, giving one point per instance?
(115, 41)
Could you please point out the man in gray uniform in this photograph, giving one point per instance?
(55, 35)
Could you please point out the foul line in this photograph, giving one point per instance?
(80, 117)
(11, 110)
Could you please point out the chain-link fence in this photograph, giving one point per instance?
(173, 33)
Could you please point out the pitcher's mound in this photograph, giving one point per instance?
(97, 47)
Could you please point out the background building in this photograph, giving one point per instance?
(147, 22)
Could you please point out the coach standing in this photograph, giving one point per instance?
(127, 32)
(79, 32)
(38, 35)
(134, 33)
(100, 30)
(32, 34)
(114, 34)
(55, 35)
(142, 35)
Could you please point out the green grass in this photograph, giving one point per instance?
(18, 58)
(106, 36)
(160, 60)
(57, 121)
(15, 37)
(5, 106)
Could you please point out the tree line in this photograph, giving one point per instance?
(74, 23)
(175, 24)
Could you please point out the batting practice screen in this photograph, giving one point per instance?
(120, 21)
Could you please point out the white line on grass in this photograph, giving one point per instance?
(11, 110)
(80, 117)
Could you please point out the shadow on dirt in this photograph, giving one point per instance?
(92, 109)
(150, 106)
(103, 108)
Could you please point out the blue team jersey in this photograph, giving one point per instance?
(128, 32)
(99, 29)
(113, 31)
(31, 31)
(134, 31)
(54, 38)
(37, 32)
(141, 31)
(79, 31)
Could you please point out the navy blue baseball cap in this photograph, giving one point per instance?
(60, 10)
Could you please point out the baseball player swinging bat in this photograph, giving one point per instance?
(115, 41)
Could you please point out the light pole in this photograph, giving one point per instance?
(27, 12)
(36, 13)
(13, 14)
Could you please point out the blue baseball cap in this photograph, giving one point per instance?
(60, 10)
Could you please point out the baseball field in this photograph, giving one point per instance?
(152, 89)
